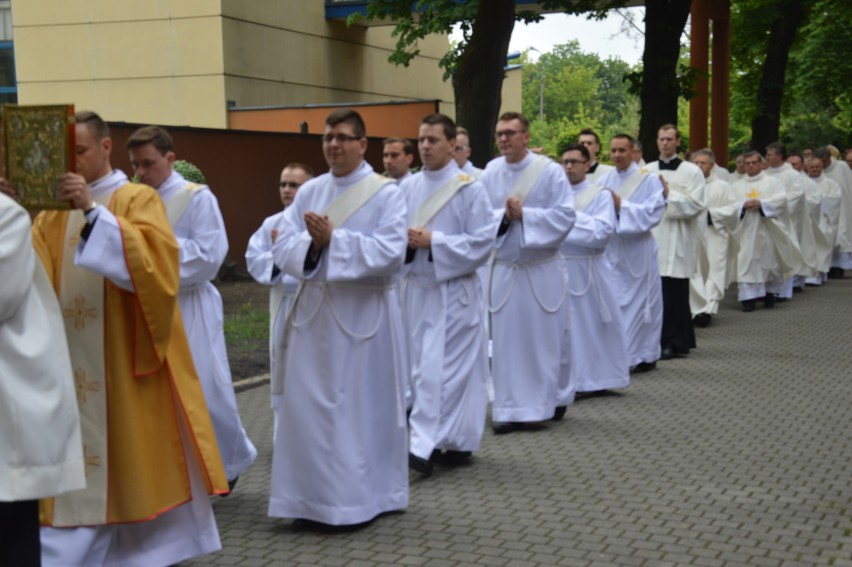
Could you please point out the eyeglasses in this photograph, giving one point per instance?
(506, 133)
(341, 138)
(573, 161)
(292, 184)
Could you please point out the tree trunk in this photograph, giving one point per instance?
(770, 91)
(478, 77)
(664, 23)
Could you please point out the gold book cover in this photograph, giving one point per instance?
(38, 143)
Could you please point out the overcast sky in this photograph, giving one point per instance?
(601, 37)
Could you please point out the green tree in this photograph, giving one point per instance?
(476, 63)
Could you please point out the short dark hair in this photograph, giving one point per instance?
(590, 132)
(795, 153)
(577, 148)
(407, 146)
(153, 135)
(778, 148)
(750, 153)
(304, 167)
(822, 153)
(623, 136)
(93, 122)
(637, 145)
(349, 116)
(669, 126)
(506, 116)
(450, 130)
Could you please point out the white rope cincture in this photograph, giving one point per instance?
(526, 266)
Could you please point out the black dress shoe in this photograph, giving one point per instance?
(668, 353)
(748, 305)
(502, 427)
(231, 485)
(769, 301)
(702, 320)
(645, 367)
(559, 413)
(422, 466)
(456, 458)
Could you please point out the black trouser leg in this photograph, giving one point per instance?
(19, 534)
(678, 331)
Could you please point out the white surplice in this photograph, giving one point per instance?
(678, 231)
(442, 311)
(766, 253)
(340, 453)
(797, 186)
(601, 170)
(527, 295)
(843, 241)
(203, 242)
(597, 345)
(41, 452)
(633, 255)
(830, 204)
(707, 286)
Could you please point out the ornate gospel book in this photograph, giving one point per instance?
(38, 147)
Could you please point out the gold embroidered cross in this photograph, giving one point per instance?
(79, 312)
(84, 386)
(754, 193)
(90, 460)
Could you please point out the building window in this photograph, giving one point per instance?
(8, 83)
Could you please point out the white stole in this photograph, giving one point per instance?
(434, 203)
(585, 197)
(526, 181)
(631, 184)
(353, 198)
(81, 297)
(177, 203)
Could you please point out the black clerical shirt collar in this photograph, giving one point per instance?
(672, 164)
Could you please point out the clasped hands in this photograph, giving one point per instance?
(319, 227)
(419, 238)
(514, 209)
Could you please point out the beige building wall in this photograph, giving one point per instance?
(511, 96)
(179, 62)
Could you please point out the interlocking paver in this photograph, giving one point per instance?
(736, 455)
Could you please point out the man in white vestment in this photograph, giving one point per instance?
(797, 162)
(592, 141)
(195, 218)
(829, 195)
(636, 149)
(260, 264)
(797, 186)
(451, 233)
(463, 151)
(677, 236)
(766, 253)
(340, 450)
(740, 170)
(640, 199)
(150, 453)
(397, 157)
(841, 175)
(41, 453)
(527, 291)
(597, 348)
(707, 286)
(848, 158)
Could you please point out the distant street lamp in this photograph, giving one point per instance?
(540, 89)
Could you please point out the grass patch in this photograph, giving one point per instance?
(247, 327)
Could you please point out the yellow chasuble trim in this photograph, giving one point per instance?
(151, 387)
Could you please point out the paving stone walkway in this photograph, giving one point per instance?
(739, 454)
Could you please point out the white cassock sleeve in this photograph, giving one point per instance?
(103, 251)
(17, 258)
(259, 260)
(645, 208)
(546, 221)
(595, 226)
(455, 255)
(692, 201)
(204, 249)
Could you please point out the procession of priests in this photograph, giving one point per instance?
(401, 308)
